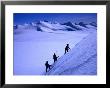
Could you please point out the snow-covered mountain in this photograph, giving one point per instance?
(55, 26)
(83, 24)
(93, 24)
(81, 60)
(46, 26)
(72, 25)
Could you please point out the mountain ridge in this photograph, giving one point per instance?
(46, 26)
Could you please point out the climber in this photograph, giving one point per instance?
(67, 48)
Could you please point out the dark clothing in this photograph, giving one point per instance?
(55, 57)
(47, 66)
(66, 48)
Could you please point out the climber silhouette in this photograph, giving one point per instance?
(47, 65)
(55, 57)
(67, 48)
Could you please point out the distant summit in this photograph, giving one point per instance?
(82, 24)
(93, 24)
(72, 25)
(48, 26)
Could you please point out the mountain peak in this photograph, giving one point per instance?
(72, 25)
(82, 24)
(45, 25)
(93, 24)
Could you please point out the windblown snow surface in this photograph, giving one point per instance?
(81, 60)
(34, 45)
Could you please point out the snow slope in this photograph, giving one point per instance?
(81, 60)
(32, 49)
